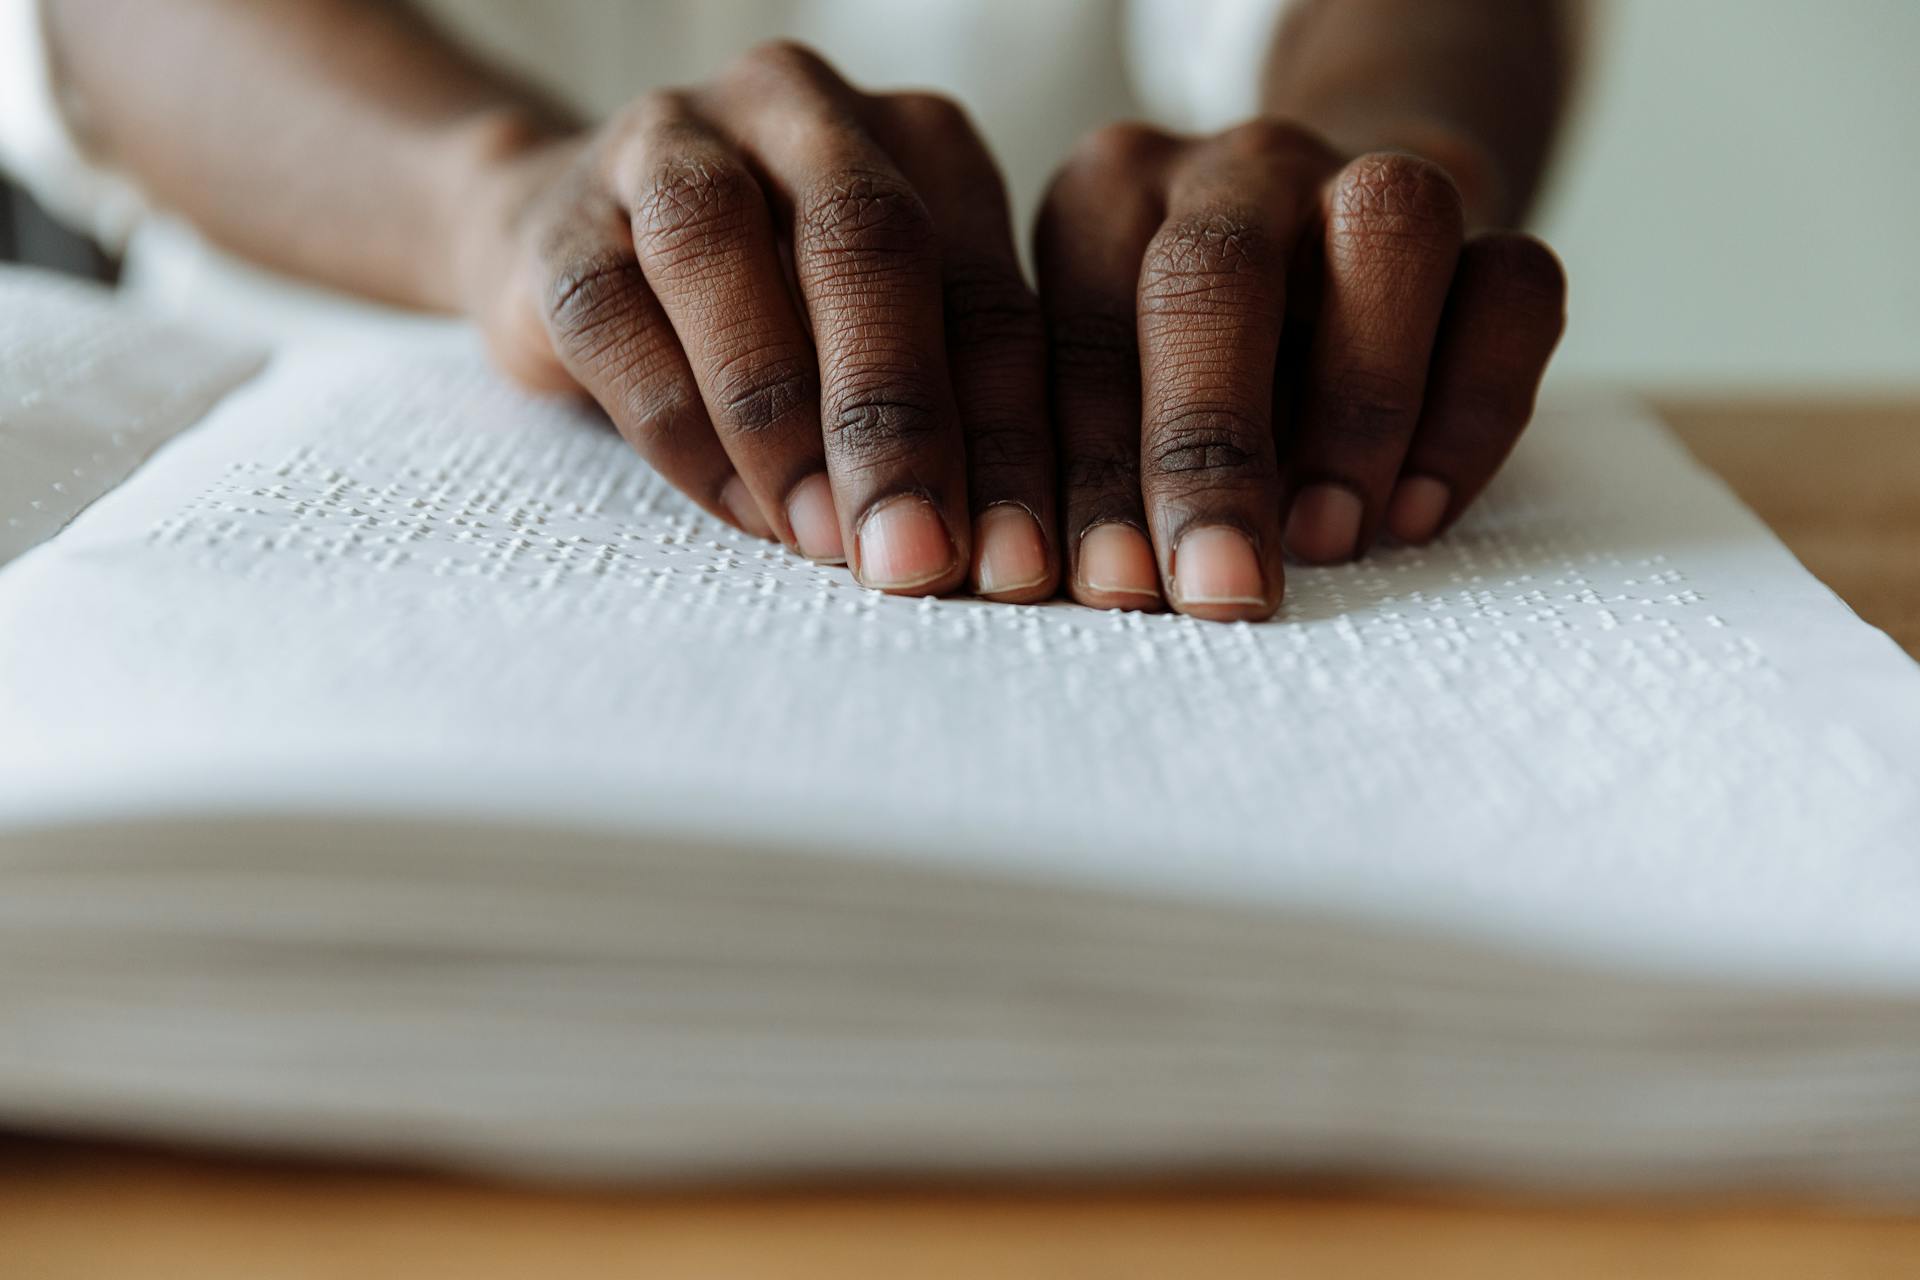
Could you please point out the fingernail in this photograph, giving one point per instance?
(816, 525)
(1217, 565)
(1419, 505)
(744, 510)
(1117, 560)
(1324, 524)
(1011, 554)
(904, 544)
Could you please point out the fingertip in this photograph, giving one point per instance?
(1115, 569)
(1417, 508)
(1218, 576)
(746, 512)
(1011, 560)
(815, 521)
(905, 548)
(1324, 524)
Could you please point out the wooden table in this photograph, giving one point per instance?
(1841, 484)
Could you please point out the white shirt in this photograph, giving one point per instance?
(1035, 74)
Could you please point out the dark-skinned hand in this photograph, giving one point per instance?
(802, 304)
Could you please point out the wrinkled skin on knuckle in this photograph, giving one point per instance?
(690, 202)
(882, 425)
(1207, 446)
(1204, 265)
(759, 391)
(658, 417)
(867, 216)
(1397, 198)
(592, 305)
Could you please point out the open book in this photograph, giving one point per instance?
(391, 764)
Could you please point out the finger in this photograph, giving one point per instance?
(996, 345)
(1094, 229)
(1212, 296)
(1502, 322)
(1393, 232)
(867, 263)
(704, 239)
(609, 333)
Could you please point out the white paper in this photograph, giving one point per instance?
(1610, 709)
(394, 763)
(87, 391)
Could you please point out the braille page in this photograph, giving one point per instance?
(1608, 715)
(87, 390)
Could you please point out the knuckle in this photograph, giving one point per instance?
(1273, 139)
(785, 57)
(1123, 148)
(989, 303)
(759, 392)
(1093, 229)
(1205, 261)
(653, 109)
(1218, 243)
(1008, 447)
(1206, 444)
(1103, 473)
(967, 167)
(883, 425)
(1109, 182)
(1096, 347)
(1369, 408)
(868, 214)
(1388, 194)
(932, 116)
(590, 298)
(658, 416)
(687, 201)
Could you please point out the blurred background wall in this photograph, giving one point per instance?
(1738, 204)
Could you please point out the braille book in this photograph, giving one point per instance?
(390, 764)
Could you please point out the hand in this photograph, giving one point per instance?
(802, 304)
(1260, 343)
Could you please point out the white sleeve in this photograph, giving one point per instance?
(1196, 63)
(38, 147)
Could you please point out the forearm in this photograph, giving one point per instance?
(1476, 85)
(333, 139)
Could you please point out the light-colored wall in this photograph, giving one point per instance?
(1738, 204)
(1740, 201)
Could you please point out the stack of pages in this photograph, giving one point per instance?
(391, 764)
